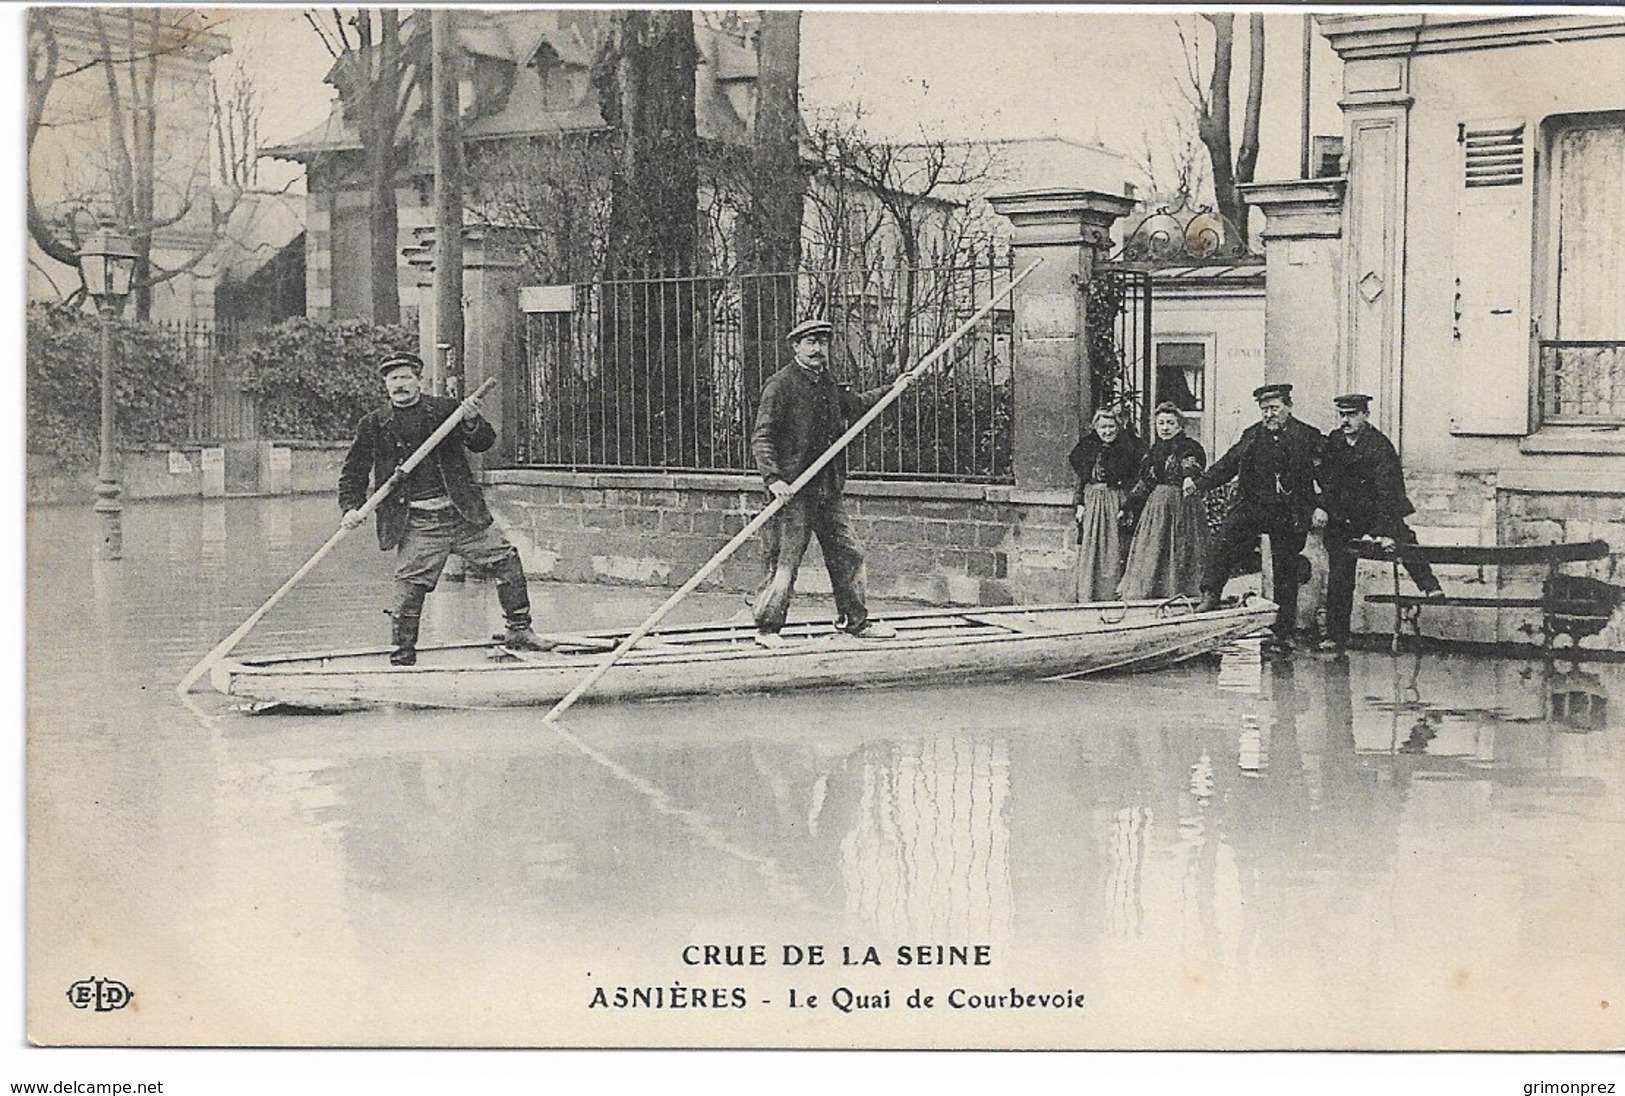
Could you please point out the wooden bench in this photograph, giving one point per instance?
(1576, 610)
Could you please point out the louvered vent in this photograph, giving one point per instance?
(1494, 156)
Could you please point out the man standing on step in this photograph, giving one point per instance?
(1274, 463)
(804, 411)
(1362, 489)
(437, 509)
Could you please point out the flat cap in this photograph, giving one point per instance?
(1354, 401)
(809, 327)
(1271, 391)
(397, 359)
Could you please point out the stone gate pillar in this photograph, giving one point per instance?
(1070, 230)
(1303, 274)
(490, 327)
(491, 333)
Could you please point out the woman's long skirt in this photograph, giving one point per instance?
(1169, 548)
(1100, 551)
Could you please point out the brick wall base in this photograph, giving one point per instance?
(943, 544)
(963, 544)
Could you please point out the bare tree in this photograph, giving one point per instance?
(379, 66)
(1233, 163)
(142, 185)
(777, 188)
(235, 111)
(911, 205)
(644, 73)
(1175, 163)
(550, 195)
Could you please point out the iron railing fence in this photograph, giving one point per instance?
(665, 373)
(1582, 382)
(220, 408)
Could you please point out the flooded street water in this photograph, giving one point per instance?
(1420, 851)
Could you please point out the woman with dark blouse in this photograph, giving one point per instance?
(1169, 548)
(1105, 459)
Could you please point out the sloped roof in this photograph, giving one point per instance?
(517, 36)
(259, 228)
(523, 116)
(1242, 274)
(332, 135)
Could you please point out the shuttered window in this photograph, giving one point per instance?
(1493, 232)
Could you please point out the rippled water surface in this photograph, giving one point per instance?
(1422, 851)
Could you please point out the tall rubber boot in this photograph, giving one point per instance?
(513, 594)
(407, 612)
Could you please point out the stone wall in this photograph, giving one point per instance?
(1548, 517)
(937, 543)
(197, 471)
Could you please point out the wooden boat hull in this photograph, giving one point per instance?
(932, 645)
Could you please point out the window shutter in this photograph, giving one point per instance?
(1492, 256)
(1493, 155)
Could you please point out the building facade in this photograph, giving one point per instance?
(1468, 272)
(120, 118)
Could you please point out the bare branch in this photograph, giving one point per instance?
(332, 50)
(46, 274)
(344, 39)
(1190, 49)
(47, 239)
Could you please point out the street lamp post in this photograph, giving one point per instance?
(107, 265)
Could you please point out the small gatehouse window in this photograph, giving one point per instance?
(1181, 375)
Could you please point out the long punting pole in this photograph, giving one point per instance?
(899, 386)
(378, 496)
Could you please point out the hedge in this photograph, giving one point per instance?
(152, 390)
(314, 379)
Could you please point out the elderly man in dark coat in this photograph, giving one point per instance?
(803, 411)
(1362, 490)
(438, 509)
(1274, 463)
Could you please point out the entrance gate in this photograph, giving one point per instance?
(1118, 314)
(1122, 354)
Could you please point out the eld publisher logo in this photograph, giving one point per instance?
(101, 994)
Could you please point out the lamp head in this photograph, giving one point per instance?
(107, 264)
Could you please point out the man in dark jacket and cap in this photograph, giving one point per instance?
(1274, 463)
(436, 510)
(803, 411)
(1362, 490)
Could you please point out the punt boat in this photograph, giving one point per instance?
(932, 645)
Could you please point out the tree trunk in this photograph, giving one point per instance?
(645, 80)
(644, 75)
(1247, 154)
(1213, 123)
(383, 123)
(772, 239)
(144, 141)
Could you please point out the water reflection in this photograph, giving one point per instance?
(1204, 850)
(1577, 700)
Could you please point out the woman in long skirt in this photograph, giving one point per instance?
(1165, 558)
(1105, 459)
